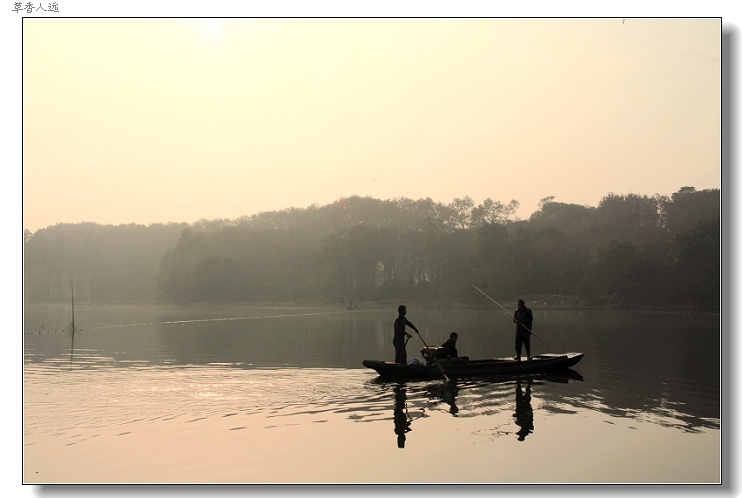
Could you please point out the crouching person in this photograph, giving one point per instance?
(449, 347)
(447, 353)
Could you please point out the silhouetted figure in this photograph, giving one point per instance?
(449, 347)
(523, 317)
(401, 422)
(523, 410)
(447, 353)
(400, 351)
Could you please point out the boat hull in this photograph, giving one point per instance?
(476, 368)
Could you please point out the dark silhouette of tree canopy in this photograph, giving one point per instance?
(630, 250)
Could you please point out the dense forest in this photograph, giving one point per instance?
(629, 251)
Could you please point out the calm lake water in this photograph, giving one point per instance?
(165, 394)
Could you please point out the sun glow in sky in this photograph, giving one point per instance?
(158, 120)
(211, 30)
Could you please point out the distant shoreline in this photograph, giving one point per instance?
(392, 305)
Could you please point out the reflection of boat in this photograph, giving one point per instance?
(475, 368)
(485, 399)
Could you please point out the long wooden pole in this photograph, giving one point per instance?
(506, 311)
(434, 357)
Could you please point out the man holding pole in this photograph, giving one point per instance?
(523, 317)
(524, 323)
(400, 351)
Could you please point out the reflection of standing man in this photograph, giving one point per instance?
(523, 410)
(523, 317)
(401, 423)
(400, 351)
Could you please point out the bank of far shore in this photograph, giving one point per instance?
(533, 302)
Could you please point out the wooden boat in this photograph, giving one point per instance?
(475, 368)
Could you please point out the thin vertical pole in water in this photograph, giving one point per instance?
(72, 288)
(72, 325)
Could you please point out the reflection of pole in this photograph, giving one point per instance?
(449, 396)
(72, 345)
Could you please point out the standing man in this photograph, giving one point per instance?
(523, 317)
(400, 352)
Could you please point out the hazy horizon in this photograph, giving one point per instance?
(176, 120)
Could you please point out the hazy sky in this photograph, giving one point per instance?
(158, 120)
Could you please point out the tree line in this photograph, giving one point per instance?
(631, 250)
